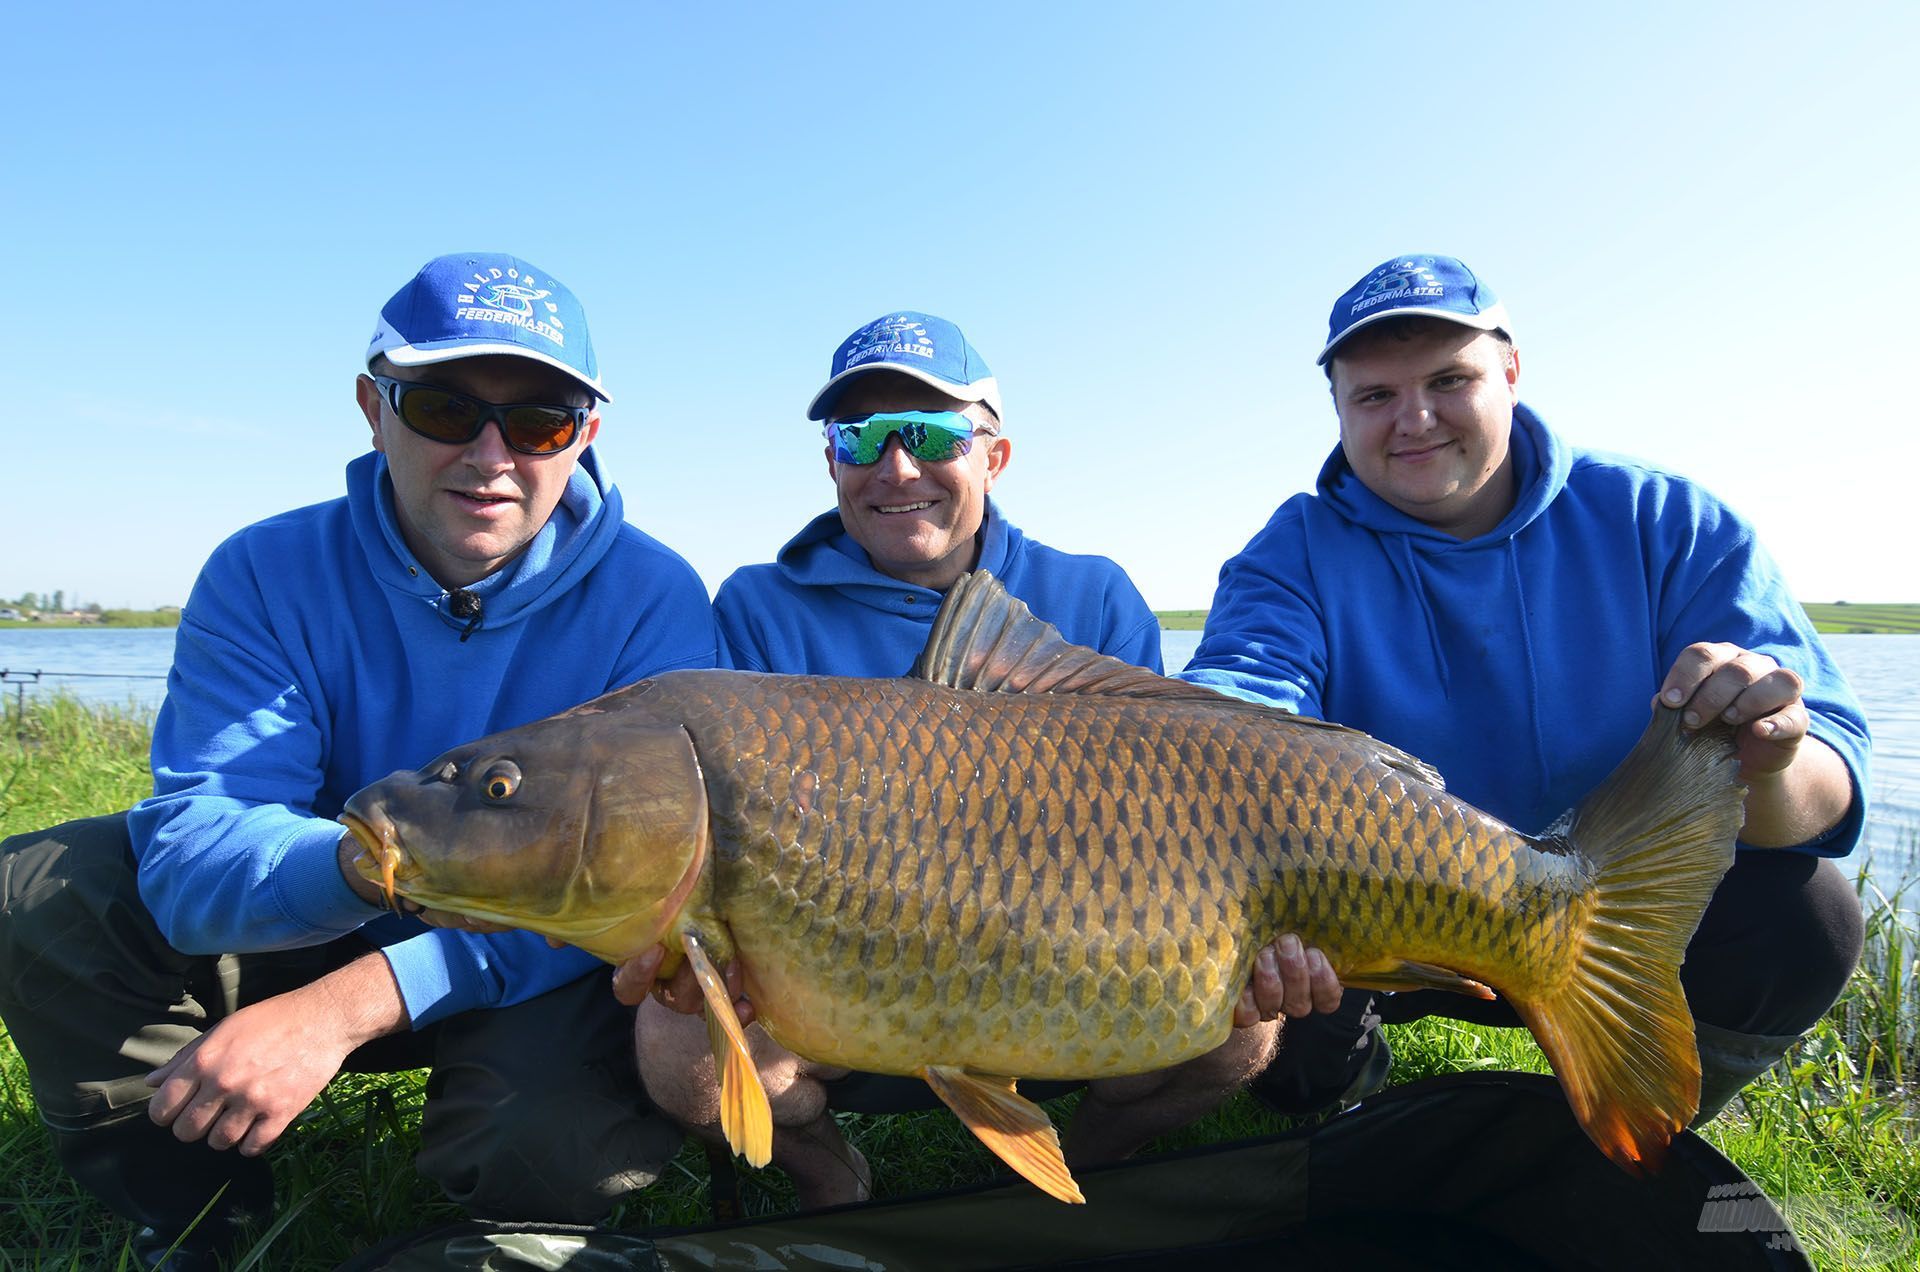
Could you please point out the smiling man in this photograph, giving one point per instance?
(1466, 586)
(182, 981)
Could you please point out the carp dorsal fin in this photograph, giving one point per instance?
(986, 639)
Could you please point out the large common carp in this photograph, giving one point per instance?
(1026, 859)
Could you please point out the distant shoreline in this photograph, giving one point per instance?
(169, 617)
(1829, 617)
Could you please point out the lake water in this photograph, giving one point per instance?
(129, 666)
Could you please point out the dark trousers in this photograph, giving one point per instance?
(1772, 953)
(533, 1111)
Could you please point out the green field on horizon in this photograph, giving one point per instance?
(1846, 617)
(1842, 617)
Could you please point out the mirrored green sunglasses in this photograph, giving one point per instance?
(932, 437)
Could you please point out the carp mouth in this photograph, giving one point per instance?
(380, 857)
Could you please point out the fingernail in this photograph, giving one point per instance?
(1768, 728)
(1691, 719)
(1290, 945)
(1673, 697)
(1730, 715)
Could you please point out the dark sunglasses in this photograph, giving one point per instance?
(442, 415)
(933, 437)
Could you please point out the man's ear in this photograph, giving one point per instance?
(833, 473)
(999, 454)
(592, 430)
(367, 393)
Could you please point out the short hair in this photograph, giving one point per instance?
(1406, 328)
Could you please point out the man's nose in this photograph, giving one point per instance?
(896, 462)
(1416, 413)
(489, 451)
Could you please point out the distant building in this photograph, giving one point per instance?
(9, 614)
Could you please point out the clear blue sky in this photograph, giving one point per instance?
(1699, 215)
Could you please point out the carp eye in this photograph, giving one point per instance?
(501, 781)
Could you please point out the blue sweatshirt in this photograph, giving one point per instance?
(316, 655)
(1523, 663)
(822, 609)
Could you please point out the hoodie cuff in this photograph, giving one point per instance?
(435, 977)
(312, 890)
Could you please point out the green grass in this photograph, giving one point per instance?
(1833, 1134)
(1182, 620)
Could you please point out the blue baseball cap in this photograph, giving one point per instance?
(909, 343)
(1436, 286)
(475, 303)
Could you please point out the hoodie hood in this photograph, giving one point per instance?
(823, 554)
(1541, 462)
(583, 526)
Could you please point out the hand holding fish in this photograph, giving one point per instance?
(1794, 792)
(240, 1084)
(1289, 979)
(374, 893)
(639, 977)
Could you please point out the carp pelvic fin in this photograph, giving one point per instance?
(745, 1115)
(1015, 1128)
(1658, 834)
(985, 639)
(1407, 974)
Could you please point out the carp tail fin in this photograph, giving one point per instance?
(1014, 1127)
(1657, 835)
(745, 1116)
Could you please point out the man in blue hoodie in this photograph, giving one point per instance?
(915, 441)
(1467, 587)
(184, 980)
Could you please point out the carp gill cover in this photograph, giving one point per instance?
(1027, 859)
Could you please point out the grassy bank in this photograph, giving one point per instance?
(1833, 1134)
(169, 617)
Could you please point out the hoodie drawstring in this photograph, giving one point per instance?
(1533, 676)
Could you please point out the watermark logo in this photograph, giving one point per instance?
(1742, 1207)
(507, 295)
(1398, 280)
(897, 338)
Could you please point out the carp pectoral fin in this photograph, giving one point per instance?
(1407, 974)
(1014, 1127)
(745, 1116)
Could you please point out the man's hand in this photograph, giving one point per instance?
(639, 976)
(1794, 791)
(370, 892)
(1289, 979)
(1746, 689)
(243, 1082)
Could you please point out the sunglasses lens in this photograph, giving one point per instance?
(538, 430)
(445, 417)
(932, 437)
